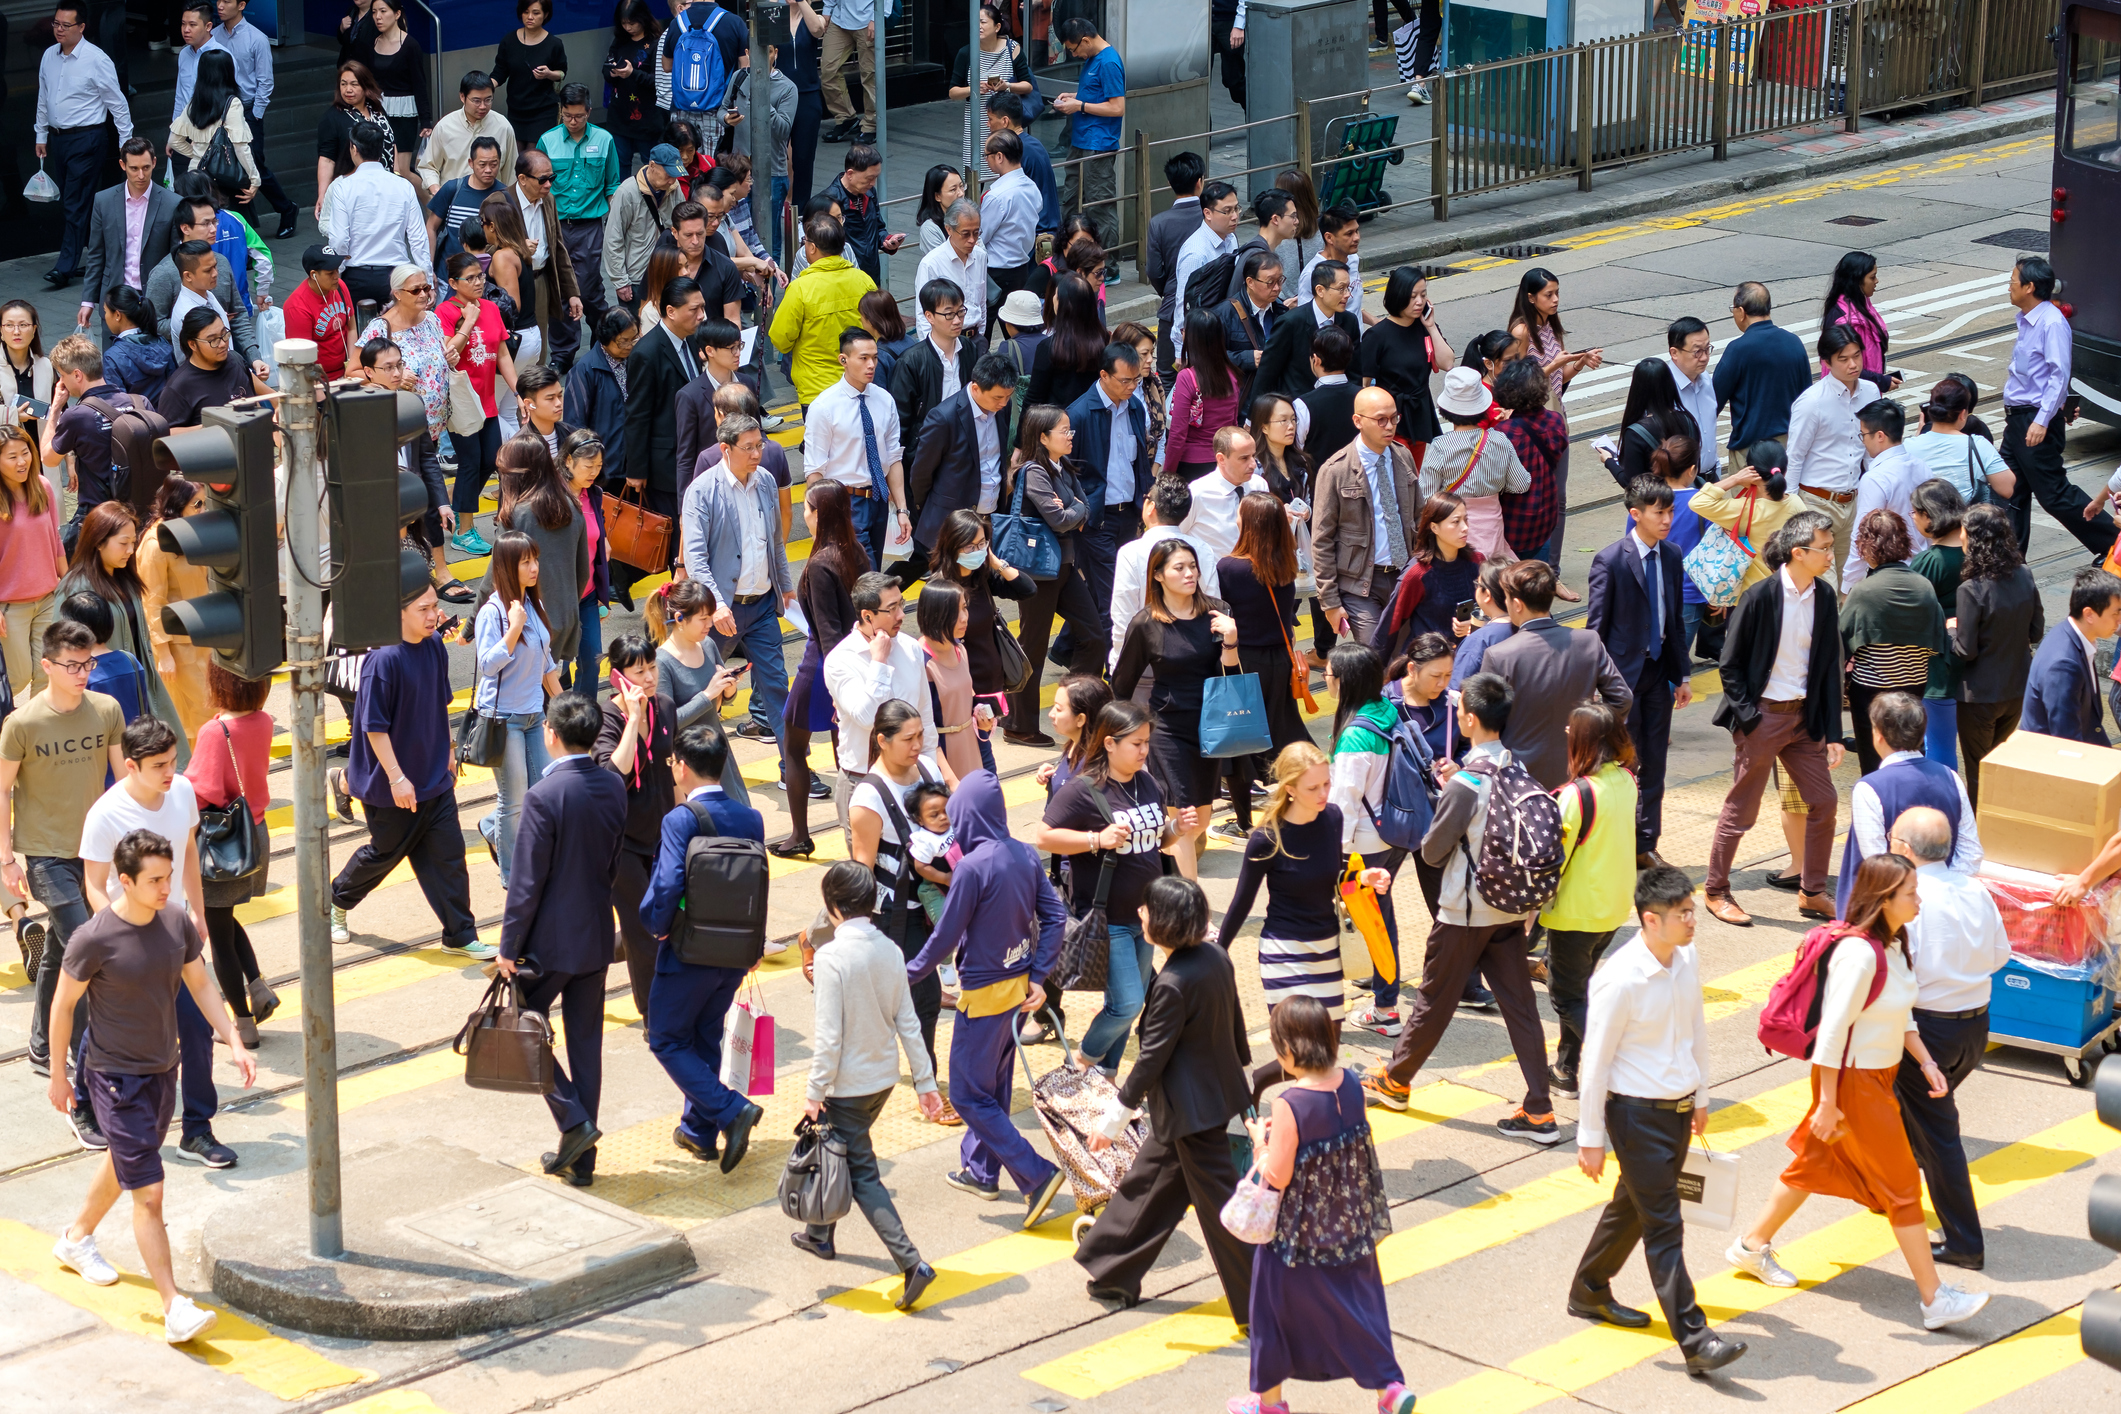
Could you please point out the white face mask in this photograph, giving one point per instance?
(971, 559)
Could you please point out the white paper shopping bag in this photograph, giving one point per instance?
(1708, 1189)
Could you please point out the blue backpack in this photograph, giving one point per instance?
(1409, 804)
(698, 76)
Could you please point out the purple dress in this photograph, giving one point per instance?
(1318, 1302)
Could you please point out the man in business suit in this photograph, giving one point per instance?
(937, 366)
(1168, 230)
(1113, 454)
(117, 254)
(2062, 694)
(1285, 367)
(1251, 315)
(1782, 703)
(658, 369)
(1635, 609)
(1551, 671)
(559, 294)
(720, 345)
(557, 929)
(960, 457)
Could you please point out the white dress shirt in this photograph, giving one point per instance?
(372, 217)
(1212, 523)
(188, 72)
(951, 382)
(1644, 1034)
(1119, 465)
(1130, 580)
(832, 434)
(969, 275)
(1008, 220)
(990, 457)
(1888, 485)
(534, 227)
(76, 90)
(751, 575)
(1303, 409)
(1200, 248)
(1872, 828)
(1698, 397)
(1353, 262)
(859, 685)
(1793, 650)
(187, 300)
(1826, 445)
(1958, 939)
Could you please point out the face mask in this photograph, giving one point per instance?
(971, 559)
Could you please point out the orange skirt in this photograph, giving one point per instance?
(1870, 1163)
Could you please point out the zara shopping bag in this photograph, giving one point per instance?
(1708, 1188)
(1233, 716)
(747, 1045)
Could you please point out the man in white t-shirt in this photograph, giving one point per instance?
(152, 796)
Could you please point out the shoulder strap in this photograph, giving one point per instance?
(1587, 811)
(1243, 327)
(1471, 461)
(1106, 864)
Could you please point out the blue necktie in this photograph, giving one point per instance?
(1653, 581)
(877, 483)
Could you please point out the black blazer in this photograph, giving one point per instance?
(1749, 652)
(697, 423)
(1620, 612)
(917, 386)
(655, 375)
(1999, 622)
(651, 791)
(943, 475)
(1190, 1071)
(1092, 422)
(1285, 367)
(567, 847)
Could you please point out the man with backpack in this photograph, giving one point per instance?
(1202, 270)
(107, 432)
(720, 887)
(1497, 838)
(700, 50)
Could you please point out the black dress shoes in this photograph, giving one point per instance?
(1611, 1312)
(816, 1247)
(917, 1281)
(573, 1144)
(1715, 1353)
(736, 1139)
(1125, 1300)
(1972, 1261)
(703, 1152)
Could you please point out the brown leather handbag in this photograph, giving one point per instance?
(504, 1047)
(639, 537)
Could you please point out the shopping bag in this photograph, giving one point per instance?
(1708, 1188)
(1358, 901)
(41, 187)
(1233, 716)
(747, 1046)
(271, 326)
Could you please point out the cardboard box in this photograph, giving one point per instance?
(2047, 803)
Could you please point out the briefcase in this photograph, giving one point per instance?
(504, 1047)
(639, 537)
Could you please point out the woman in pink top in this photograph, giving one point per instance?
(1848, 301)
(485, 358)
(31, 559)
(582, 460)
(231, 757)
(1203, 399)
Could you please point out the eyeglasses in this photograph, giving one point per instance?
(543, 181)
(420, 289)
(215, 341)
(1125, 380)
(72, 667)
(65, 24)
(1382, 419)
(472, 277)
(1267, 282)
(948, 312)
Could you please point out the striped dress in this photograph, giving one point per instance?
(1299, 942)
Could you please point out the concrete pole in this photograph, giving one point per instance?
(305, 660)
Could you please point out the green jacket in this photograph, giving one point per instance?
(584, 174)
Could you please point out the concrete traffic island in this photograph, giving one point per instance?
(507, 1250)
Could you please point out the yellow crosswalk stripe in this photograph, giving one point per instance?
(282, 1368)
(1572, 1365)
(1166, 1344)
(1988, 1374)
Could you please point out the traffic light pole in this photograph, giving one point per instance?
(305, 660)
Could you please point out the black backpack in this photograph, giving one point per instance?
(726, 887)
(1207, 286)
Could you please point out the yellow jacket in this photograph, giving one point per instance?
(818, 306)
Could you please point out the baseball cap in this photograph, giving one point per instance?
(666, 157)
(321, 257)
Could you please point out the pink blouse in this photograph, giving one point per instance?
(1195, 420)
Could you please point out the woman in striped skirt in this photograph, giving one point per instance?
(1296, 852)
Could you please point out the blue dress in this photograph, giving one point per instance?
(1318, 1301)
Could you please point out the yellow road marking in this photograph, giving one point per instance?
(280, 1367)
(1988, 1374)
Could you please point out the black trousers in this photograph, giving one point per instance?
(268, 184)
(578, 1088)
(1007, 280)
(1571, 959)
(628, 886)
(368, 283)
(1650, 728)
(1983, 726)
(1956, 1044)
(802, 147)
(1233, 60)
(431, 836)
(1097, 560)
(1167, 1177)
(73, 157)
(1868, 756)
(1379, 13)
(1069, 595)
(235, 965)
(2040, 475)
(1649, 1146)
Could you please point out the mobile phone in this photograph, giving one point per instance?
(740, 669)
(1468, 611)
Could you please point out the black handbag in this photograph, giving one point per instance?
(221, 165)
(230, 847)
(1085, 961)
(817, 1187)
(1009, 654)
(481, 740)
(504, 1047)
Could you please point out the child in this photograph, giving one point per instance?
(935, 854)
(1318, 1300)
(1474, 463)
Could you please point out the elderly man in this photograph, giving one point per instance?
(1958, 942)
(961, 260)
(1904, 779)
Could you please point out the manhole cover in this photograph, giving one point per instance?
(1857, 221)
(1438, 272)
(2025, 238)
(1522, 252)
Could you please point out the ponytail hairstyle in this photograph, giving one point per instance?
(676, 601)
(130, 303)
(890, 718)
(1087, 694)
(1772, 461)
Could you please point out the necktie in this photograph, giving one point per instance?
(877, 483)
(1382, 486)
(1653, 581)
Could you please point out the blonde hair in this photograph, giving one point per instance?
(1289, 768)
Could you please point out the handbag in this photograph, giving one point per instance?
(1026, 543)
(1233, 716)
(1014, 662)
(229, 847)
(221, 165)
(481, 740)
(505, 1047)
(467, 415)
(1085, 961)
(638, 536)
(817, 1187)
(1708, 1188)
(1719, 560)
(1299, 675)
(1253, 1210)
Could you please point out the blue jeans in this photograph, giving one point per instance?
(1126, 987)
(57, 884)
(1690, 624)
(523, 760)
(758, 629)
(1940, 738)
(584, 669)
(779, 196)
(1385, 995)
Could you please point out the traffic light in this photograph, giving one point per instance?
(2101, 1331)
(372, 501)
(235, 539)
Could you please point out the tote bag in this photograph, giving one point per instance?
(747, 1046)
(1718, 562)
(1708, 1188)
(1233, 717)
(467, 415)
(1025, 542)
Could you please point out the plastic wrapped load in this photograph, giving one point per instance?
(2074, 941)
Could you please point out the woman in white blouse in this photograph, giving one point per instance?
(24, 370)
(215, 103)
(1853, 1143)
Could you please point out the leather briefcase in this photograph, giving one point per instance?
(504, 1047)
(639, 537)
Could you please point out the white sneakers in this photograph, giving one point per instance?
(82, 1257)
(1760, 1265)
(1951, 1306)
(340, 932)
(186, 1321)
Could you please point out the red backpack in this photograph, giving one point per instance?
(1789, 1023)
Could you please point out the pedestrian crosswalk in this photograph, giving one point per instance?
(1987, 1375)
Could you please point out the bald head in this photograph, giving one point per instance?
(1376, 417)
(1922, 835)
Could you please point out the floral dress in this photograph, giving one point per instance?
(424, 359)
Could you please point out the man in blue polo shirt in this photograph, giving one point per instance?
(1759, 375)
(1094, 111)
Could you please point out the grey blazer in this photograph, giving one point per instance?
(161, 292)
(710, 526)
(105, 269)
(1552, 671)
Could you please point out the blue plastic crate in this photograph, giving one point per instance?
(2033, 1006)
